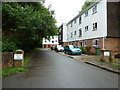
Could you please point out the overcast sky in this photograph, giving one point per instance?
(65, 10)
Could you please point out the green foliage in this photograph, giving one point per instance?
(8, 44)
(83, 49)
(86, 4)
(10, 70)
(28, 22)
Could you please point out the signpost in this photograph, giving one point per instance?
(19, 58)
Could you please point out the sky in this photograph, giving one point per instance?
(65, 10)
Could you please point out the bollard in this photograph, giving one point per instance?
(19, 58)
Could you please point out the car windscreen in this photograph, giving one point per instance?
(59, 46)
(71, 46)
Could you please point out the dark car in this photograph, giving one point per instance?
(70, 49)
(59, 48)
(52, 47)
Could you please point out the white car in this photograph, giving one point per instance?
(59, 48)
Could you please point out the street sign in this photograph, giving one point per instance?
(18, 56)
(106, 53)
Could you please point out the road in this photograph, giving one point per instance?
(49, 69)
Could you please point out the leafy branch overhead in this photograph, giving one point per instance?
(27, 21)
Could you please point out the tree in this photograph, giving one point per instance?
(86, 4)
(27, 23)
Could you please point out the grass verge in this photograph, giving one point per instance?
(10, 70)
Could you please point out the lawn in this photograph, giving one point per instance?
(16, 69)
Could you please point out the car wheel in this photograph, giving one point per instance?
(64, 52)
(80, 54)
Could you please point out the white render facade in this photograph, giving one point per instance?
(48, 43)
(93, 27)
(98, 17)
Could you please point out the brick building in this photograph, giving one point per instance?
(52, 41)
(96, 26)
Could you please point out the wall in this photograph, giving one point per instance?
(7, 59)
(51, 39)
(99, 17)
(112, 19)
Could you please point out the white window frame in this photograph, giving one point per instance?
(86, 13)
(94, 26)
(85, 43)
(86, 28)
(94, 42)
(94, 9)
(80, 20)
(80, 34)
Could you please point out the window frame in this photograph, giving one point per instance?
(86, 28)
(95, 26)
(80, 32)
(95, 42)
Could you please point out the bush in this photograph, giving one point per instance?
(88, 49)
(83, 49)
(8, 44)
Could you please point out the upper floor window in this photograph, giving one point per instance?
(80, 20)
(86, 13)
(55, 36)
(80, 32)
(71, 34)
(74, 21)
(71, 24)
(95, 42)
(75, 33)
(86, 28)
(45, 41)
(95, 26)
(94, 9)
(56, 41)
(52, 37)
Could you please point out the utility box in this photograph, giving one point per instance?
(18, 58)
(105, 55)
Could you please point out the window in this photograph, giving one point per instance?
(71, 24)
(55, 36)
(86, 28)
(85, 43)
(94, 9)
(79, 20)
(86, 13)
(71, 34)
(52, 41)
(80, 32)
(95, 26)
(75, 33)
(80, 43)
(56, 41)
(95, 42)
(52, 37)
(45, 41)
(75, 21)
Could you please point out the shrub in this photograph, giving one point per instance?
(8, 44)
(83, 49)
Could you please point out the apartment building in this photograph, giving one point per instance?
(63, 34)
(97, 27)
(52, 41)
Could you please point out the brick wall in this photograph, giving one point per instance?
(7, 59)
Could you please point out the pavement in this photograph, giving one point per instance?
(95, 61)
(49, 69)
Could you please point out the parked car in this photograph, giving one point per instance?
(59, 48)
(52, 47)
(70, 49)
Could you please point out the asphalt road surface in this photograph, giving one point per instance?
(49, 69)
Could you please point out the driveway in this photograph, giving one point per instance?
(49, 69)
